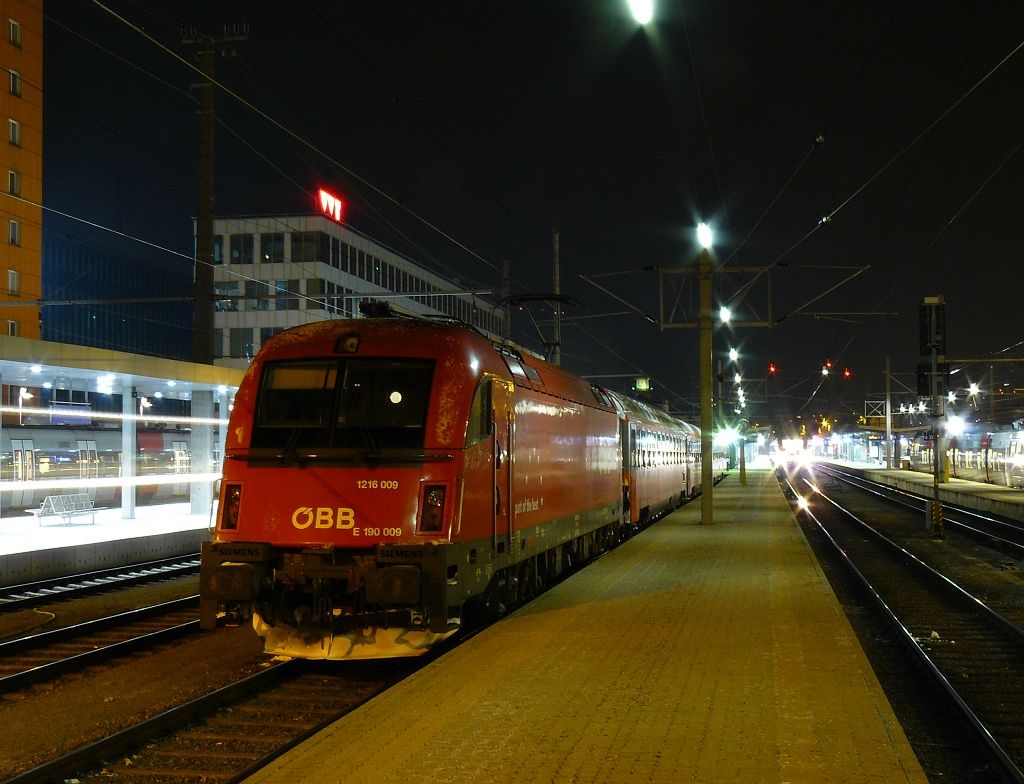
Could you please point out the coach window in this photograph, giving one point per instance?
(479, 426)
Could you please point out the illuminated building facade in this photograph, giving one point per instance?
(21, 103)
(272, 273)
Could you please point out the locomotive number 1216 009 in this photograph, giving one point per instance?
(377, 484)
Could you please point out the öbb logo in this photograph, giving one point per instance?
(324, 517)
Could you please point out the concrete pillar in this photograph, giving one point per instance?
(128, 448)
(201, 493)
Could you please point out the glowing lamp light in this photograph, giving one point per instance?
(951, 396)
(724, 314)
(973, 389)
(733, 355)
(704, 235)
(955, 426)
(642, 10)
(725, 437)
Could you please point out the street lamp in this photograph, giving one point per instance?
(705, 237)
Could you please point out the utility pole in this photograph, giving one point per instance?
(556, 356)
(206, 48)
(933, 343)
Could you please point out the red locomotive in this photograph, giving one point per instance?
(383, 476)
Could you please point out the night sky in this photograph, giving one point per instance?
(817, 138)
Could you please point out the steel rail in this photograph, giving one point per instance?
(104, 653)
(137, 735)
(28, 594)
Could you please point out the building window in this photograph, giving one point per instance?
(218, 249)
(14, 132)
(257, 295)
(14, 32)
(241, 248)
(15, 84)
(272, 247)
(286, 287)
(304, 246)
(218, 343)
(13, 282)
(225, 289)
(14, 183)
(316, 288)
(241, 343)
(266, 333)
(14, 232)
(12, 328)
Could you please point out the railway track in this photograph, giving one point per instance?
(228, 734)
(19, 597)
(47, 655)
(1006, 536)
(971, 650)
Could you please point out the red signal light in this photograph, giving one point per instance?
(771, 368)
(847, 372)
(828, 363)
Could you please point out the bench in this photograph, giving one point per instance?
(67, 507)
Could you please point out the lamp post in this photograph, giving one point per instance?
(705, 238)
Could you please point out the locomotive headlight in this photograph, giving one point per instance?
(229, 515)
(432, 508)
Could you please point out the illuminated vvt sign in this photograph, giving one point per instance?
(331, 205)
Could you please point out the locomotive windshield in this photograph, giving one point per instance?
(366, 404)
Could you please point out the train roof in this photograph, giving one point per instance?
(525, 369)
(638, 410)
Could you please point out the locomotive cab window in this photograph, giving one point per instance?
(374, 404)
(293, 396)
(384, 403)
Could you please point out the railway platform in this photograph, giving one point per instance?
(33, 549)
(691, 653)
